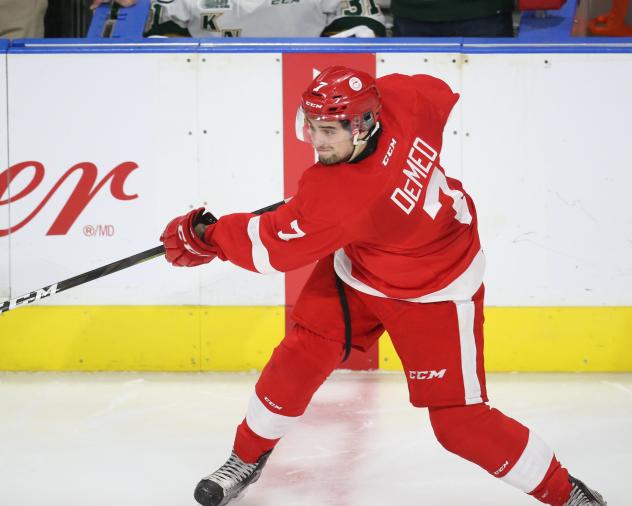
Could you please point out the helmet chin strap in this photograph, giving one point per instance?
(358, 144)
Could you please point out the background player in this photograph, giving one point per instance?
(262, 18)
(266, 18)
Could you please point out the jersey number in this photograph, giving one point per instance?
(432, 205)
(357, 7)
(420, 162)
(295, 235)
(438, 181)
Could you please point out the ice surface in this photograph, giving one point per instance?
(137, 439)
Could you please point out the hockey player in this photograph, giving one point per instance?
(261, 18)
(398, 249)
(266, 18)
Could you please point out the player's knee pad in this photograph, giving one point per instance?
(481, 435)
(502, 446)
(298, 366)
(499, 444)
(451, 425)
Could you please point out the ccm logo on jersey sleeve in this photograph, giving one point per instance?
(297, 232)
(426, 375)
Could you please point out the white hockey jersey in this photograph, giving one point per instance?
(265, 18)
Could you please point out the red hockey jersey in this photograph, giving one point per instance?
(399, 227)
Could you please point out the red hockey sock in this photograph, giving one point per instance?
(250, 446)
(555, 489)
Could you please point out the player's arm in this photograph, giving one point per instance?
(280, 240)
(168, 18)
(277, 241)
(353, 18)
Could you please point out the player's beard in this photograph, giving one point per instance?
(330, 160)
(334, 158)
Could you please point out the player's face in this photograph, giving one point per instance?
(332, 141)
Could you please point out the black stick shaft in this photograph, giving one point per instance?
(99, 272)
(80, 279)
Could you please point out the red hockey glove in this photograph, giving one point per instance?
(183, 247)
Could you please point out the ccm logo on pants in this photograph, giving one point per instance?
(426, 375)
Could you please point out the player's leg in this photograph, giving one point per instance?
(297, 367)
(303, 360)
(509, 451)
(504, 448)
(441, 348)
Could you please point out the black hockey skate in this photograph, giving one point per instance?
(581, 495)
(228, 481)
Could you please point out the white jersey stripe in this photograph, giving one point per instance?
(465, 313)
(530, 469)
(264, 422)
(462, 288)
(342, 266)
(260, 255)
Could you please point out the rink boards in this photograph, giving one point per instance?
(105, 145)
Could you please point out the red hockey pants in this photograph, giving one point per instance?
(441, 348)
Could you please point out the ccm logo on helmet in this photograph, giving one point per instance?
(426, 375)
(312, 104)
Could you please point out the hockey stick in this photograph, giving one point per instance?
(80, 279)
(99, 272)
